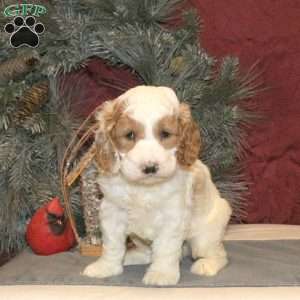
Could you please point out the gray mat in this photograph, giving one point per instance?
(252, 263)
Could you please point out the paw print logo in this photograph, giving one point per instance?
(24, 32)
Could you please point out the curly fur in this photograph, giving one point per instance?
(189, 142)
(106, 157)
(155, 189)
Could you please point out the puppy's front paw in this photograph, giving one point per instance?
(208, 266)
(161, 278)
(102, 269)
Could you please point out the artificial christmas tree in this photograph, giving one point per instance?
(158, 42)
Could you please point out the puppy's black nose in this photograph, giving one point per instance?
(150, 169)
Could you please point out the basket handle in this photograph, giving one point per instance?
(68, 178)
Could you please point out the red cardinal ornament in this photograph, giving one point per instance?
(49, 231)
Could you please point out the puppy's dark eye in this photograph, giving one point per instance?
(130, 136)
(165, 134)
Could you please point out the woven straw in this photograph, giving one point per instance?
(69, 175)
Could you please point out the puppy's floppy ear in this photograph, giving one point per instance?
(189, 137)
(106, 155)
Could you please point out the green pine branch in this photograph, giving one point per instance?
(128, 33)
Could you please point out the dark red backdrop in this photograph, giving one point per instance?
(264, 30)
(269, 31)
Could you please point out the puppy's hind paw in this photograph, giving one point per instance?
(102, 269)
(161, 278)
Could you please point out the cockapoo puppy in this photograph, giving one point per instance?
(156, 190)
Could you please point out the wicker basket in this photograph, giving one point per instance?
(90, 250)
(71, 171)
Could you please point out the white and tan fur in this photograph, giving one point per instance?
(163, 209)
